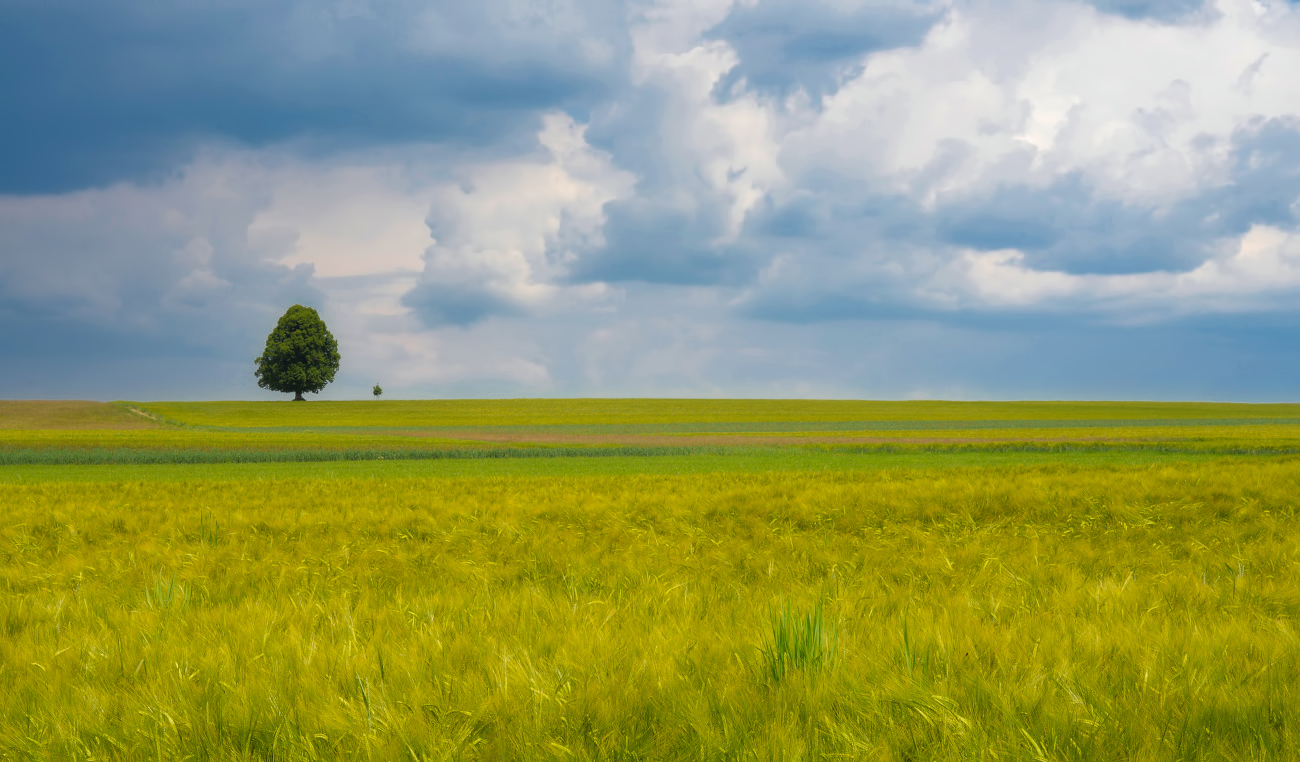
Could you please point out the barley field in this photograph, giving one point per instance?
(1027, 581)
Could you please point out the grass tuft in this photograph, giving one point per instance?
(165, 596)
(807, 642)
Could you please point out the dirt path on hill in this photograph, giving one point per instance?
(71, 415)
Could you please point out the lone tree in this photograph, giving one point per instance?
(300, 356)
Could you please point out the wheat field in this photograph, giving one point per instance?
(1013, 613)
(794, 603)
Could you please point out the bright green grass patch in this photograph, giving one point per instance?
(1237, 437)
(1022, 613)
(962, 452)
(707, 461)
(527, 412)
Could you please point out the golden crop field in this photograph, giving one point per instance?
(1075, 599)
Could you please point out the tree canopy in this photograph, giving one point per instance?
(301, 354)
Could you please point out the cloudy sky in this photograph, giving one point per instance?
(857, 198)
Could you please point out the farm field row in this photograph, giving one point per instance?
(607, 412)
(614, 463)
(1007, 611)
(218, 437)
(62, 442)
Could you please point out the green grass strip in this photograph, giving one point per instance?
(755, 461)
(784, 427)
(90, 456)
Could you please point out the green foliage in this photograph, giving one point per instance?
(807, 642)
(377, 390)
(301, 354)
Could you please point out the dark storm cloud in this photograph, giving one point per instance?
(99, 92)
(785, 45)
(1067, 227)
(849, 249)
(457, 304)
(123, 275)
(673, 230)
(1156, 10)
(655, 243)
(1265, 177)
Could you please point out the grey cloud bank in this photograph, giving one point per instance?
(131, 89)
(860, 198)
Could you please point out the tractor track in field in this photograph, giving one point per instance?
(146, 415)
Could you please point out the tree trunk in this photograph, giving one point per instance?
(297, 397)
